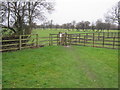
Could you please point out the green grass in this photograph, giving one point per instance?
(0, 70)
(61, 67)
(46, 32)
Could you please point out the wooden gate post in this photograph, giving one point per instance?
(57, 39)
(49, 39)
(65, 40)
(36, 40)
(84, 39)
(20, 42)
(113, 42)
(103, 38)
(79, 37)
(70, 39)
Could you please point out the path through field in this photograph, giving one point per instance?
(82, 65)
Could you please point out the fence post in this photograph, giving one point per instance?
(86, 37)
(79, 38)
(36, 40)
(103, 38)
(20, 42)
(84, 40)
(65, 39)
(76, 38)
(70, 39)
(93, 39)
(57, 39)
(49, 40)
(113, 42)
(98, 35)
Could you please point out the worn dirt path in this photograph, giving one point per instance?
(82, 65)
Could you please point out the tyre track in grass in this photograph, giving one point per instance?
(86, 69)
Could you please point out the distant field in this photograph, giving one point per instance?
(61, 67)
(46, 32)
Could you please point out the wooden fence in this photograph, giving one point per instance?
(19, 42)
(15, 42)
(101, 39)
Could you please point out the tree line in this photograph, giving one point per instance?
(83, 25)
(111, 21)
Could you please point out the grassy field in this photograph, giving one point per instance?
(61, 67)
(46, 32)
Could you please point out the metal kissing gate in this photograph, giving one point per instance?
(62, 39)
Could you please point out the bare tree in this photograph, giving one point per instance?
(114, 15)
(73, 24)
(78, 26)
(83, 25)
(51, 24)
(99, 25)
(107, 26)
(93, 27)
(68, 25)
(64, 26)
(86, 24)
(19, 17)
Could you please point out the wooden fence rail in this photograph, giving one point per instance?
(17, 42)
(101, 39)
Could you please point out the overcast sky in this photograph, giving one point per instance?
(78, 10)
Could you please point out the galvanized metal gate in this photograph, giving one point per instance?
(62, 39)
